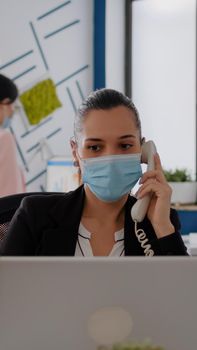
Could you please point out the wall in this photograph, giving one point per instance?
(164, 77)
(115, 41)
(47, 39)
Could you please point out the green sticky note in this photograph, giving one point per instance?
(40, 101)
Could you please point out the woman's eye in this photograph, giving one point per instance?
(126, 145)
(94, 148)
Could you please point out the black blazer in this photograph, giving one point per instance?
(48, 226)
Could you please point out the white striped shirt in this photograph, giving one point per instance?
(83, 247)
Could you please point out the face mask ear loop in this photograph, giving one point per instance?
(143, 240)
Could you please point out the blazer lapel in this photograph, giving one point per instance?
(66, 214)
(132, 246)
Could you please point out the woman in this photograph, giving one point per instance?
(11, 177)
(95, 219)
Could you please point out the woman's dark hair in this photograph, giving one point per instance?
(104, 99)
(7, 89)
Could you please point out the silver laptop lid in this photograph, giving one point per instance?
(76, 303)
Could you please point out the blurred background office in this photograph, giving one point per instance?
(11, 176)
(58, 51)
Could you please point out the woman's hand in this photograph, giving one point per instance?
(154, 182)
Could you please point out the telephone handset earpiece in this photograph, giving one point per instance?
(139, 209)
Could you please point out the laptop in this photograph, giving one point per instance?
(83, 303)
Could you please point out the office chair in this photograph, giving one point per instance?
(8, 206)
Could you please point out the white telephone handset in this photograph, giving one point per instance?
(139, 209)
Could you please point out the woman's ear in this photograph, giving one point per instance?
(73, 145)
(143, 140)
(5, 101)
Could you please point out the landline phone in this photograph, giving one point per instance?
(139, 209)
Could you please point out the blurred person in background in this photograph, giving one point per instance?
(11, 176)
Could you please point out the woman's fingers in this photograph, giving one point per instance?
(157, 173)
(154, 186)
(154, 181)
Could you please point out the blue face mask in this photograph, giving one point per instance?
(111, 177)
(6, 122)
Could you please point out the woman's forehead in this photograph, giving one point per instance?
(114, 119)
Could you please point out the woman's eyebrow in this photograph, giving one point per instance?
(127, 136)
(93, 139)
(96, 139)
